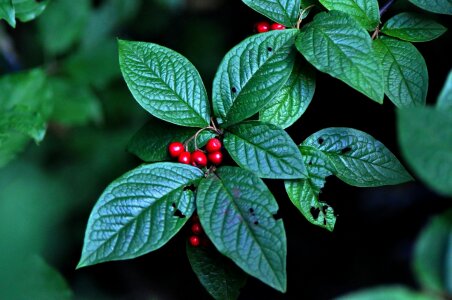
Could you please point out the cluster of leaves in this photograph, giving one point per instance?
(262, 76)
(24, 10)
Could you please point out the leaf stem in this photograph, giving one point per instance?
(386, 7)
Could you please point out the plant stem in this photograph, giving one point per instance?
(8, 51)
(386, 7)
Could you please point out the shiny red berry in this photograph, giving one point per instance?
(175, 149)
(185, 158)
(213, 145)
(262, 27)
(277, 26)
(216, 157)
(196, 228)
(199, 158)
(194, 240)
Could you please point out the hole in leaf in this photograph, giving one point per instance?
(277, 216)
(346, 150)
(325, 208)
(256, 222)
(189, 188)
(324, 221)
(234, 90)
(251, 211)
(173, 205)
(270, 49)
(320, 141)
(179, 214)
(310, 163)
(315, 212)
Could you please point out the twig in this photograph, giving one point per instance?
(8, 51)
(386, 7)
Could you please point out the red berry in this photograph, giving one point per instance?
(213, 145)
(194, 241)
(262, 27)
(196, 228)
(185, 158)
(199, 158)
(175, 149)
(277, 26)
(216, 157)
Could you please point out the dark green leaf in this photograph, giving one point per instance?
(285, 12)
(436, 6)
(425, 140)
(366, 12)
(433, 255)
(264, 149)
(237, 210)
(74, 104)
(27, 10)
(393, 292)
(336, 44)
(358, 158)
(164, 83)
(292, 100)
(7, 12)
(445, 98)
(304, 193)
(62, 24)
(413, 28)
(405, 72)
(139, 212)
(220, 276)
(252, 73)
(151, 142)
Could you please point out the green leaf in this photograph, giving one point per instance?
(285, 12)
(7, 12)
(265, 149)
(433, 255)
(220, 276)
(304, 193)
(293, 99)
(151, 142)
(252, 73)
(75, 104)
(164, 83)
(62, 24)
(336, 44)
(445, 98)
(139, 212)
(405, 72)
(358, 158)
(413, 28)
(364, 11)
(436, 6)
(236, 210)
(424, 137)
(393, 292)
(27, 10)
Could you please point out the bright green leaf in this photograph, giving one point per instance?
(139, 212)
(220, 276)
(74, 104)
(425, 140)
(62, 24)
(413, 28)
(264, 149)
(393, 292)
(7, 12)
(336, 44)
(445, 98)
(304, 193)
(252, 73)
(364, 11)
(405, 72)
(436, 6)
(27, 10)
(151, 142)
(236, 210)
(285, 12)
(164, 83)
(358, 158)
(433, 254)
(292, 100)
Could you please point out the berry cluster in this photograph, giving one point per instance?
(197, 238)
(264, 26)
(198, 157)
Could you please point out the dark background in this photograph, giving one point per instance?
(376, 228)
